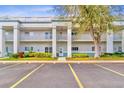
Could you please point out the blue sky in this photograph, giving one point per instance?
(26, 10)
(31, 10)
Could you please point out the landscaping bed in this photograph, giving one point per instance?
(101, 58)
(105, 56)
(27, 59)
(29, 56)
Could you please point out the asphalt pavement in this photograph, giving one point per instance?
(37, 75)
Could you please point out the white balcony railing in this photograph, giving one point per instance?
(35, 38)
(9, 37)
(61, 37)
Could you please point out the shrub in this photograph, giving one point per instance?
(106, 54)
(14, 55)
(31, 54)
(116, 54)
(21, 54)
(80, 55)
(26, 54)
(41, 55)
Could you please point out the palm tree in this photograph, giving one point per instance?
(95, 19)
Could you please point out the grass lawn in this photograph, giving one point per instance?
(33, 58)
(101, 58)
(51, 59)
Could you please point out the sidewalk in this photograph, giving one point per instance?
(59, 61)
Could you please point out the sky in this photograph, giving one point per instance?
(26, 10)
(31, 10)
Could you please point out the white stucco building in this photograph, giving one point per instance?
(48, 34)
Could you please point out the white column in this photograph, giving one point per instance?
(2, 42)
(122, 40)
(16, 40)
(69, 41)
(109, 41)
(54, 41)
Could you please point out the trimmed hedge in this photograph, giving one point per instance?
(79, 55)
(26, 54)
(13, 55)
(118, 54)
(42, 55)
(31, 54)
(38, 54)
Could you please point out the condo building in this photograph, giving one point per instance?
(54, 35)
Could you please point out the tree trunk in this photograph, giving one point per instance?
(97, 49)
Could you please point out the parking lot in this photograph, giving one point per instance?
(81, 75)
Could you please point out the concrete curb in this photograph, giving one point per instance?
(90, 61)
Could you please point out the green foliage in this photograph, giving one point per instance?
(116, 54)
(42, 55)
(94, 19)
(79, 55)
(13, 55)
(31, 54)
(37, 54)
(26, 54)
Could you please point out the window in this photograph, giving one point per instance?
(74, 33)
(60, 33)
(26, 49)
(46, 35)
(7, 49)
(31, 48)
(48, 49)
(31, 33)
(93, 48)
(26, 33)
(50, 35)
(74, 48)
(119, 49)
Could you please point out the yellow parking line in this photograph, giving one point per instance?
(25, 77)
(76, 77)
(115, 72)
(9, 66)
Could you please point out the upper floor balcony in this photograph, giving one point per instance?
(61, 37)
(36, 38)
(9, 36)
(117, 36)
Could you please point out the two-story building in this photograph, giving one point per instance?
(50, 34)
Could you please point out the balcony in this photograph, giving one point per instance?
(9, 37)
(61, 37)
(86, 37)
(117, 36)
(35, 38)
(81, 38)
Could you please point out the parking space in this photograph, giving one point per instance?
(3, 65)
(62, 75)
(51, 76)
(10, 75)
(93, 76)
(116, 67)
